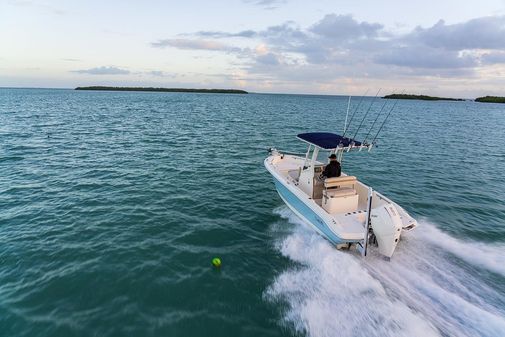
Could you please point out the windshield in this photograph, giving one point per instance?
(322, 156)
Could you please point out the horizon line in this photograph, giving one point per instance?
(250, 92)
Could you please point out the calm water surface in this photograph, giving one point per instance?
(112, 205)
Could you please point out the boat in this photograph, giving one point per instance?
(344, 210)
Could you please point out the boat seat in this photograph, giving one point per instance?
(340, 200)
(339, 192)
(340, 181)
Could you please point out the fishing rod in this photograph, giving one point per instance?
(355, 110)
(376, 119)
(366, 114)
(385, 119)
(347, 113)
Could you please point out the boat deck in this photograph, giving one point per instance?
(350, 224)
(354, 221)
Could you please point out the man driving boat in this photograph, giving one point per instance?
(333, 169)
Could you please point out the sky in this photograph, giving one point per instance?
(435, 47)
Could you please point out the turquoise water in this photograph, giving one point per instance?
(112, 205)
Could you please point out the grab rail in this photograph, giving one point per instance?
(270, 150)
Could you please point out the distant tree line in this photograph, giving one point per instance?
(490, 99)
(421, 97)
(210, 91)
(485, 99)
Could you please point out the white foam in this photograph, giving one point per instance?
(484, 255)
(420, 292)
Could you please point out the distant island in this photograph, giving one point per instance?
(421, 97)
(207, 91)
(490, 99)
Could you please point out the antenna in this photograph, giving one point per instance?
(352, 116)
(347, 113)
(385, 119)
(366, 114)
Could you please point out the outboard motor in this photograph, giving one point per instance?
(387, 227)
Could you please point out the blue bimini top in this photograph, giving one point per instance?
(327, 140)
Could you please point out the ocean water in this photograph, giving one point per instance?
(112, 205)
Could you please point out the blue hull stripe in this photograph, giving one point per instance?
(315, 220)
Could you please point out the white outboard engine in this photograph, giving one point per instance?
(387, 227)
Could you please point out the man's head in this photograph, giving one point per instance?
(333, 157)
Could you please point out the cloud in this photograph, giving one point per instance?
(340, 49)
(419, 56)
(345, 27)
(268, 59)
(493, 57)
(217, 34)
(159, 73)
(194, 44)
(111, 70)
(266, 4)
(288, 34)
(480, 33)
(156, 73)
(447, 46)
(341, 39)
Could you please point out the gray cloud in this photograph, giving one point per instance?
(266, 4)
(156, 73)
(418, 56)
(340, 39)
(446, 46)
(366, 52)
(345, 27)
(287, 32)
(341, 47)
(493, 57)
(218, 34)
(480, 33)
(194, 44)
(268, 59)
(159, 73)
(111, 70)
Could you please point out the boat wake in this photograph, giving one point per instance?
(435, 285)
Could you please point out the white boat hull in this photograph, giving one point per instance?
(308, 211)
(343, 229)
